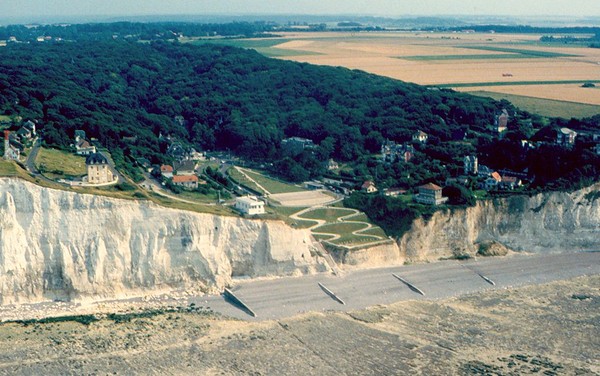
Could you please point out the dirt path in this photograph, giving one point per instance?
(243, 172)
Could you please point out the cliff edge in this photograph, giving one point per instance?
(62, 245)
(546, 222)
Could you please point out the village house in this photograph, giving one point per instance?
(502, 121)
(98, 170)
(82, 146)
(166, 171)
(484, 171)
(392, 152)
(566, 137)
(295, 145)
(313, 185)
(471, 165)
(10, 153)
(420, 136)
(430, 194)
(393, 192)
(186, 181)
(369, 187)
(509, 182)
(187, 167)
(249, 205)
(332, 165)
(492, 181)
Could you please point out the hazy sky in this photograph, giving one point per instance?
(43, 8)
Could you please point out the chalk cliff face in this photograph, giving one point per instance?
(63, 245)
(550, 222)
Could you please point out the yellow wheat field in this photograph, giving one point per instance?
(457, 58)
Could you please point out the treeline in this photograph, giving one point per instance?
(134, 31)
(524, 29)
(229, 98)
(137, 98)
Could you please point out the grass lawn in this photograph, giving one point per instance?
(351, 239)
(377, 231)
(197, 196)
(58, 164)
(328, 214)
(8, 168)
(340, 228)
(243, 179)
(272, 185)
(545, 107)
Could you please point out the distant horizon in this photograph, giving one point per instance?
(185, 17)
(53, 11)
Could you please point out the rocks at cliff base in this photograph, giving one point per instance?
(491, 248)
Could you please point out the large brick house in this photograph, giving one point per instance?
(430, 194)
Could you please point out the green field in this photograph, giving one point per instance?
(464, 57)
(525, 53)
(240, 178)
(210, 198)
(340, 228)
(272, 185)
(376, 231)
(545, 107)
(328, 214)
(59, 164)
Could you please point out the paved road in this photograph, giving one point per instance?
(283, 297)
(30, 162)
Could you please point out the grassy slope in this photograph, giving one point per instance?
(60, 162)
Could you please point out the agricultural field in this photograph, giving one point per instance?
(544, 107)
(510, 64)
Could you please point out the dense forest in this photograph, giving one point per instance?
(129, 94)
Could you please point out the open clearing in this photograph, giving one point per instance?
(456, 58)
(58, 163)
(305, 199)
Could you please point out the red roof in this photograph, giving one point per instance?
(185, 179)
(367, 184)
(509, 179)
(496, 176)
(431, 187)
(166, 168)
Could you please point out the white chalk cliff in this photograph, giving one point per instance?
(546, 222)
(62, 245)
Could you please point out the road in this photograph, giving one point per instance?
(30, 162)
(284, 297)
